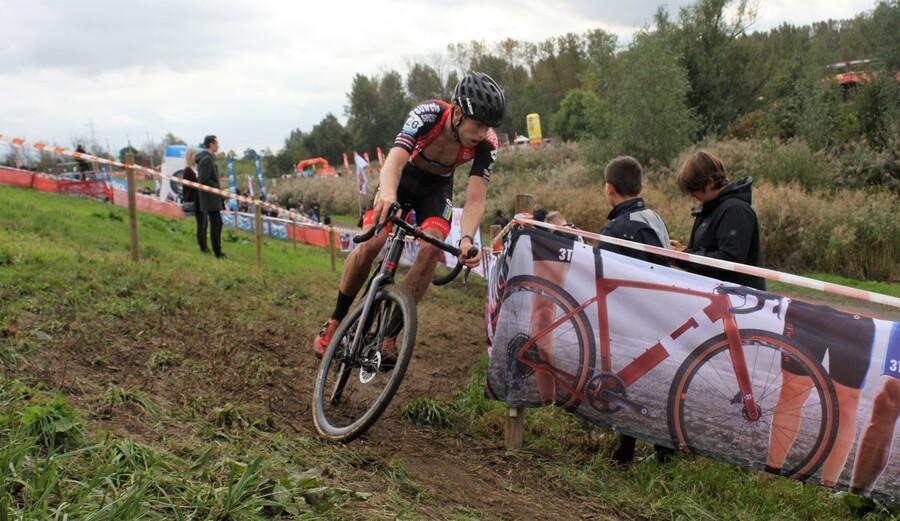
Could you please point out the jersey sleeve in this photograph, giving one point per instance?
(485, 156)
(419, 122)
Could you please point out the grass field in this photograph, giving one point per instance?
(177, 388)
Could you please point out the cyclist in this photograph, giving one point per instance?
(876, 441)
(552, 256)
(436, 138)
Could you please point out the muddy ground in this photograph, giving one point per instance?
(270, 370)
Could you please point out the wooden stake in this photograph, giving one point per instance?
(515, 428)
(525, 204)
(495, 230)
(332, 240)
(515, 416)
(132, 208)
(259, 235)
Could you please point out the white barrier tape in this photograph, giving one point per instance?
(225, 193)
(796, 280)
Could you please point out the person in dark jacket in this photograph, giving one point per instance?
(189, 194)
(725, 225)
(630, 219)
(210, 203)
(84, 166)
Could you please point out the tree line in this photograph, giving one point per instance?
(698, 73)
(695, 74)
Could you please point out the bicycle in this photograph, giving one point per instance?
(723, 396)
(343, 407)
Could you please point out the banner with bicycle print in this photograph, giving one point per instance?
(724, 371)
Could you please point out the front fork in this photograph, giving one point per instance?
(384, 276)
(739, 362)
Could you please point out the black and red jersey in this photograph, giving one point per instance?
(424, 124)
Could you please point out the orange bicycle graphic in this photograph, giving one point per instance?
(724, 394)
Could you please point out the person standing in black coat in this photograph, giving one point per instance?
(189, 194)
(209, 203)
(725, 225)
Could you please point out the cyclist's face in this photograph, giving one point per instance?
(471, 132)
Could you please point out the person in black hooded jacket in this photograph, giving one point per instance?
(725, 225)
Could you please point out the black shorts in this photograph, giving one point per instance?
(551, 246)
(846, 337)
(431, 196)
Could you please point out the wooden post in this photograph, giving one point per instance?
(525, 204)
(515, 416)
(495, 230)
(332, 240)
(132, 208)
(294, 238)
(259, 235)
(515, 427)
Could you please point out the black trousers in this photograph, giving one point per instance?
(215, 231)
(201, 230)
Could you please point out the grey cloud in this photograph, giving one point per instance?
(91, 37)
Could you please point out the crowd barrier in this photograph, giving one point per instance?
(711, 368)
(297, 227)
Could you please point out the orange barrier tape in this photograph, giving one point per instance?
(225, 193)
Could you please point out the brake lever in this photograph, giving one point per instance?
(473, 251)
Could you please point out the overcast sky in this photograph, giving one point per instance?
(251, 72)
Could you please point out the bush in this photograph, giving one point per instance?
(858, 164)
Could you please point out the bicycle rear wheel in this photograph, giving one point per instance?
(353, 386)
(572, 339)
(707, 415)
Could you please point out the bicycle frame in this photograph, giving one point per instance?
(719, 308)
(388, 268)
(384, 275)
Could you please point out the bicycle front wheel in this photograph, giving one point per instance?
(707, 414)
(355, 384)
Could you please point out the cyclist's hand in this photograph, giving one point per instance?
(470, 262)
(676, 245)
(382, 205)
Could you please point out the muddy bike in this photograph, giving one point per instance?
(723, 398)
(371, 349)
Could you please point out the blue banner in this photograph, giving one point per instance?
(245, 222)
(232, 203)
(259, 176)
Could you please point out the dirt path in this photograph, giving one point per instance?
(272, 372)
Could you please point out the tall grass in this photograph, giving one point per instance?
(808, 223)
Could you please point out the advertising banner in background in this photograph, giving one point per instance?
(712, 368)
(259, 176)
(231, 204)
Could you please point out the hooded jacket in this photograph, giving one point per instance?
(726, 228)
